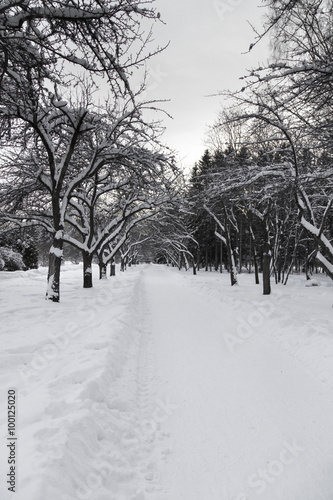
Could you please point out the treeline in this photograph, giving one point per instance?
(240, 212)
(245, 216)
(261, 197)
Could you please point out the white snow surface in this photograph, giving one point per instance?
(160, 385)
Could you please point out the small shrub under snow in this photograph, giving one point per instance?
(10, 260)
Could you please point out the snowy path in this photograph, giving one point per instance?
(160, 385)
(243, 424)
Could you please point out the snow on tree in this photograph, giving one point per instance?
(98, 175)
(172, 237)
(43, 45)
(43, 42)
(289, 101)
(10, 260)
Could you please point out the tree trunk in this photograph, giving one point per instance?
(216, 257)
(250, 255)
(122, 264)
(112, 269)
(279, 273)
(221, 257)
(240, 254)
(233, 270)
(266, 269)
(53, 277)
(255, 257)
(87, 270)
(232, 262)
(231, 258)
(102, 270)
(256, 268)
(307, 270)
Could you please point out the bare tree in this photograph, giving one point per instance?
(290, 101)
(96, 172)
(43, 41)
(41, 46)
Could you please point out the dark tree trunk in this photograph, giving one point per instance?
(55, 258)
(250, 254)
(233, 271)
(221, 257)
(307, 270)
(266, 269)
(255, 257)
(231, 258)
(216, 266)
(87, 270)
(102, 270)
(230, 251)
(112, 269)
(122, 264)
(279, 275)
(256, 268)
(240, 255)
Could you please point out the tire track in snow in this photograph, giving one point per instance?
(154, 408)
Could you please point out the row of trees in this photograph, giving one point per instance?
(79, 158)
(262, 195)
(93, 173)
(289, 103)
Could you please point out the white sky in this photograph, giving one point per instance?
(207, 39)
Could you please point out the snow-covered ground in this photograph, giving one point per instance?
(160, 385)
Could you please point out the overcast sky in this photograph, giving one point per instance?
(207, 39)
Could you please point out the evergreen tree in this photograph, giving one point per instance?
(30, 255)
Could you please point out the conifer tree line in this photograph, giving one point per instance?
(244, 218)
